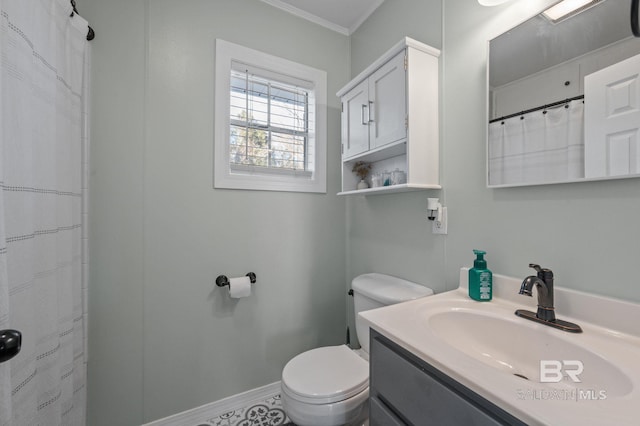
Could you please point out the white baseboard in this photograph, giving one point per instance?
(217, 408)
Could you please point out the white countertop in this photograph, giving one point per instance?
(610, 338)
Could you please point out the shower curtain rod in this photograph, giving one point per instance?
(566, 101)
(90, 34)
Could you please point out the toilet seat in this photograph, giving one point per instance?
(325, 375)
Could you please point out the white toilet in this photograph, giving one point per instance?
(329, 386)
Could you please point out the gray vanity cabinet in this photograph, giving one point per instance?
(405, 390)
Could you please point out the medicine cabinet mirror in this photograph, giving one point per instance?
(564, 99)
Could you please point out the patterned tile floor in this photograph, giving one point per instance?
(264, 413)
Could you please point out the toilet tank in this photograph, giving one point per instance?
(375, 290)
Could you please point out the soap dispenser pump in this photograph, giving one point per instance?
(480, 279)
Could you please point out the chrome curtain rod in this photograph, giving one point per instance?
(90, 34)
(543, 107)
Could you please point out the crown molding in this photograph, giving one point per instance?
(308, 16)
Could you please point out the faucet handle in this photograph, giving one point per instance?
(535, 266)
(543, 273)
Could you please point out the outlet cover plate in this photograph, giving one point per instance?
(440, 227)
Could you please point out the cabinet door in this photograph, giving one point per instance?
(355, 121)
(387, 103)
(419, 394)
(612, 120)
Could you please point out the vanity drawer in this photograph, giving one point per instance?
(419, 394)
(380, 415)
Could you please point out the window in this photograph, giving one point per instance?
(270, 122)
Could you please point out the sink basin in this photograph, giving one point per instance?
(497, 355)
(512, 346)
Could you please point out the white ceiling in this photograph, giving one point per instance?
(343, 16)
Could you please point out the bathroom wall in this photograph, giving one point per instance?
(393, 20)
(163, 338)
(390, 233)
(586, 232)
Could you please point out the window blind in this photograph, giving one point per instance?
(271, 122)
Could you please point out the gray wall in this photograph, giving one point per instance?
(393, 20)
(116, 230)
(586, 232)
(390, 233)
(163, 338)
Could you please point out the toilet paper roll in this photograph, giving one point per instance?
(240, 287)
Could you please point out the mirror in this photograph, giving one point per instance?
(545, 82)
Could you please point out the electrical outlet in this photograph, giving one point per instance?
(441, 226)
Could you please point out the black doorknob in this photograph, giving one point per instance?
(10, 343)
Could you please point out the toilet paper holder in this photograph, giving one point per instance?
(222, 280)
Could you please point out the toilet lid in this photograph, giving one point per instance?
(325, 375)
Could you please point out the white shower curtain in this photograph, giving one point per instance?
(42, 153)
(538, 147)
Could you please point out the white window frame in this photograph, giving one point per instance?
(256, 178)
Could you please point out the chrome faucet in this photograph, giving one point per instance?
(546, 311)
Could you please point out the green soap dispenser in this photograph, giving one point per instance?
(480, 279)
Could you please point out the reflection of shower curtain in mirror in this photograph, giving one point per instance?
(538, 147)
(42, 123)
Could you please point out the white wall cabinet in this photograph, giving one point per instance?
(355, 120)
(374, 112)
(390, 119)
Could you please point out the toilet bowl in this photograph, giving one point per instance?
(326, 386)
(329, 386)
